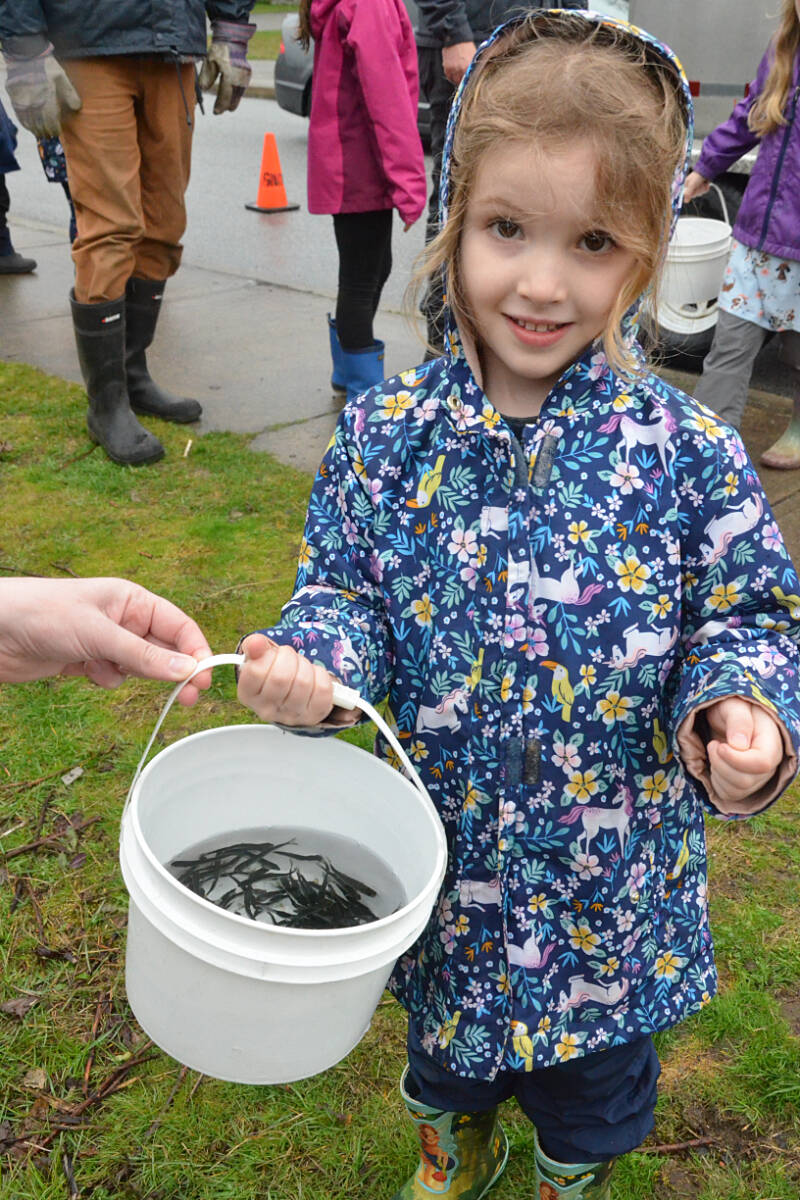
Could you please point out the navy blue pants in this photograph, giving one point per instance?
(589, 1109)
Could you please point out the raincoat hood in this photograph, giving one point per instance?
(459, 342)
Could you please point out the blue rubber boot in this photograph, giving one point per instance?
(337, 377)
(363, 368)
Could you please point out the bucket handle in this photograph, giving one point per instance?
(722, 202)
(343, 697)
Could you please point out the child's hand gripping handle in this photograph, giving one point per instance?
(343, 697)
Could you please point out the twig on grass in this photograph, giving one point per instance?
(28, 847)
(677, 1147)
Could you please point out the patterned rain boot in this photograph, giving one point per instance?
(571, 1181)
(784, 455)
(337, 375)
(363, 368)
(461, 1154)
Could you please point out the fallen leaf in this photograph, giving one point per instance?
(19, 1007)
(36, 1079)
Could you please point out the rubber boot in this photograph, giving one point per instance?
(100, 338)
(337, 377)
(461, 1154)
(783, 455)
(570, 1181)
(142, 306)
(363, 368)
(12, 263)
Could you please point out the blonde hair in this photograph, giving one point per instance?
(304, 23)
(547, 82)
(766, 114)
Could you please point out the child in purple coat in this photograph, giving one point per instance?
(761, 289)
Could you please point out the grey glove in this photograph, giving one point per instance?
(40, 92)
(227, 58)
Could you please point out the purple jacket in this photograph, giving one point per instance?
(769, 217)
(364, 151)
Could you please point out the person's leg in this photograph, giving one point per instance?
(728, 366)
(101, 149)
(462, 1147)
(439, 92)
(587, 1112)
(11, 263)
(165, 144)
(364, 244)
(784, 455)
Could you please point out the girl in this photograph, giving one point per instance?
(364, 160)
(565, 575)
(761, 289)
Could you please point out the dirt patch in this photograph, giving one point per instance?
(677, 1182)
(790, 1011)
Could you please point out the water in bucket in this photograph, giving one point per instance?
(291, 876)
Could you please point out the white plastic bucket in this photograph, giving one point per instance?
(693, 274)
(235, 998)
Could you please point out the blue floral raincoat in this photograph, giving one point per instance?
(543, 617)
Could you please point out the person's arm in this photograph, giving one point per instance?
(446, 21)
(741, 630)
(104, 629)
(336, 621)
(373, 36)
(733, 138)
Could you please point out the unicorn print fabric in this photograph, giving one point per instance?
(544, 614)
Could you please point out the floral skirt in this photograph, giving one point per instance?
(761, 288)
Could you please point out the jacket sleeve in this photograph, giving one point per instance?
(21, 19)
(741, 624)
(337, 616)
(390, 95)
(446, 21)
(229, 10)
(733, 138)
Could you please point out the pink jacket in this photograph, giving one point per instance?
(364, 151)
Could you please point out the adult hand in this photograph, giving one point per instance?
(102, 628)
(695, 185)
(40, 92)
(743, 753)
(281, 685)
(227, 58)
(456, 59)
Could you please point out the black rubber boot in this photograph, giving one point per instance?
(142, 306)
(100, 338)
(12, 263)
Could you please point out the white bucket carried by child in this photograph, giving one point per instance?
(693, 273)
(233, 997)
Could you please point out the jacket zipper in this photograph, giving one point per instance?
(778, 167)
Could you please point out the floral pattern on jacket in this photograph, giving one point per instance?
(543, 617)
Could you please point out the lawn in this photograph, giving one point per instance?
(265, 43)
(90, 1108)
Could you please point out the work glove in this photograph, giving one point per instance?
(227, 57)
(40, 91)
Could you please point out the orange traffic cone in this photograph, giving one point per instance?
(271, 192)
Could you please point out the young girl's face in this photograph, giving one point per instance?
(539, 277)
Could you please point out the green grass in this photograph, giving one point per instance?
(217, 531)
(266, 7)
(265, 43)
